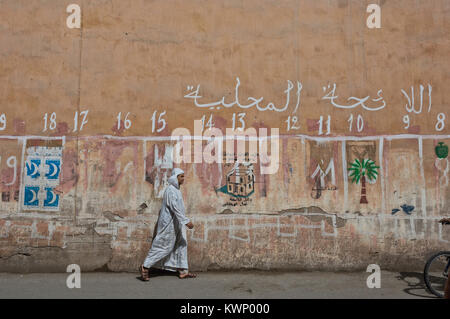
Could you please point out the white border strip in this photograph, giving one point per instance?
(238, 137)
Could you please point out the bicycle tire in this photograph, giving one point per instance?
(426, 276)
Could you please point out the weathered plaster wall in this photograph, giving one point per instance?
(92, 196)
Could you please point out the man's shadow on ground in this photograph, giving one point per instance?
(414, 280)
(416, 283)
(154, 272)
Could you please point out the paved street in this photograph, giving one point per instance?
(251, 284)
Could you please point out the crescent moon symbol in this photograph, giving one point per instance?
(53, 198)
(54, 169)
(34, 167)
(34, 196)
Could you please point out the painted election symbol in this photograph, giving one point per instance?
(42, 175)
(441, 150)
(240, 184)
(359, 170)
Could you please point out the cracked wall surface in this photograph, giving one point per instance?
(91, 196)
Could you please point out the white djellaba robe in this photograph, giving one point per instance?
(169, 246)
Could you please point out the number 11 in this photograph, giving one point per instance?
(321, 125)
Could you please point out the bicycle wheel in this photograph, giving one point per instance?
(436, 272)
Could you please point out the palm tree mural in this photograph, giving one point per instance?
(359, 170)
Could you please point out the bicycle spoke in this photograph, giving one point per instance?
(436, 273)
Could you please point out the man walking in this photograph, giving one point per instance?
(169, 246)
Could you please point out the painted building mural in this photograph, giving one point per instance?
(87, 116)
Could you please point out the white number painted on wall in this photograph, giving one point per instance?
(83, 121)
(406, 121)
(359, 123)
(2, 122)
(52, 125)
(291, 123)
(241, 120)
(440, 125)
(321, 125)
(11, 162)
(126, 121)
(209, 124)
(161, 122)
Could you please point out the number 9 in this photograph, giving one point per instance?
(406, 121)
(3, 121)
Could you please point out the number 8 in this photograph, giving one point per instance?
(440, 122)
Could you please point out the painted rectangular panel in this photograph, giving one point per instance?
(43, 163)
